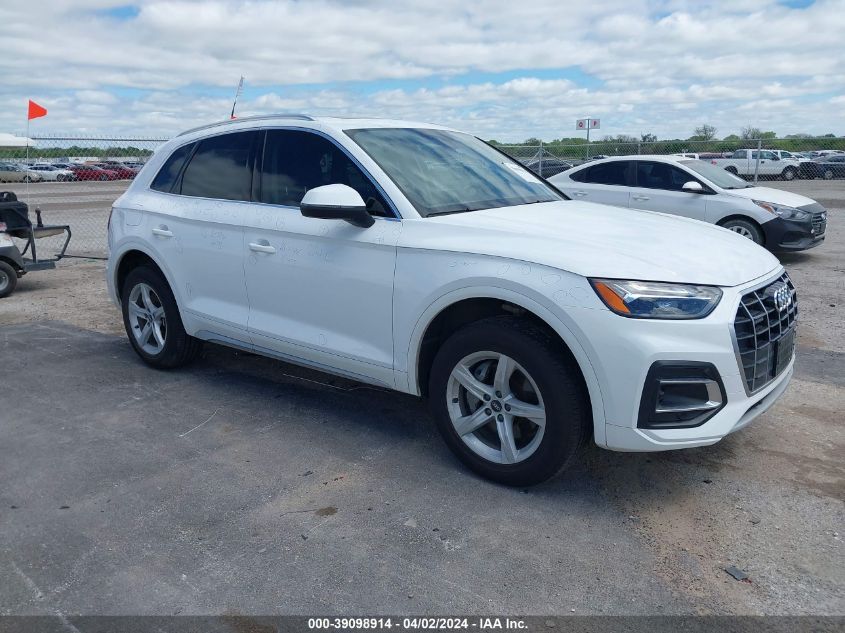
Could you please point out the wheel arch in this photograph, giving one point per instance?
(464, 306)
(134, 256)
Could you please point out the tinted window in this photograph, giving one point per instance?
(661, 176)
(579, 176)
(296, 161)
(169, 172)
(221, 168)
(613, 173)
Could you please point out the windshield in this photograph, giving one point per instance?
(448, 172)
(718, 176)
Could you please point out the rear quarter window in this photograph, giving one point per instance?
(169, 172)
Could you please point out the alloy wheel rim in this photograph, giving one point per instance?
(4, 280)
(496, 407)
(147, 319)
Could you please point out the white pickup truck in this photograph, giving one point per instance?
(743, 162)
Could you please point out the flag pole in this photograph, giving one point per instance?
(28, 201)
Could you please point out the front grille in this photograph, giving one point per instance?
(758, 328)
(819, 214)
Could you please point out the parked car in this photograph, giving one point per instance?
(52, 173)
(121, 171)
(779, 220)
(548, 166)
(419, 258)
(830, 166)
(13, 172)
(806, 166)
(743, 162)
(92, 172)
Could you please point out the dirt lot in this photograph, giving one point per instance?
(249, 485)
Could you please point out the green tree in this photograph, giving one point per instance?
(704, 132)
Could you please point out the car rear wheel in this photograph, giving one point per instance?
(828, 174)
(732, 170)
(8, 279)
(508, 403)
(746, 228)
(789, 173)
(152, 321)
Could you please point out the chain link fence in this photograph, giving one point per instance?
(74, 180)
(752, 159)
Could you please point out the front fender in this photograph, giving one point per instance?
(529, 300)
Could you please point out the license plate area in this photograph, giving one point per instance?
(784, 350)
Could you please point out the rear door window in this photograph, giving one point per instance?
(615, 172)
(221, 167)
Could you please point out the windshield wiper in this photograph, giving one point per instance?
(450, 212)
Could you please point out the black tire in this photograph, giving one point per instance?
(179, 347)
(103, 177)
(789, 173)
(27, 179)
(568, 423)
(827, 174)
(732, 170)
(746, 228)
(8, 279)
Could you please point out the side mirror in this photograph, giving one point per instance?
(692, 187)
(336, 202)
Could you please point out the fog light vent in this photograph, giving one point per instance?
(680, 395)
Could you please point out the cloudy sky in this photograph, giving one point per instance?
(501, 69)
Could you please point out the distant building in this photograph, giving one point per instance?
(12, 141)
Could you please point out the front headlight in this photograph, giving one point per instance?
(656, 300)
(787, 213)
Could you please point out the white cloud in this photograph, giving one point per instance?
(659, 66)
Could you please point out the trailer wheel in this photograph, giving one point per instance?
(8, 279)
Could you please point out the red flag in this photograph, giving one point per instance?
(35, 111)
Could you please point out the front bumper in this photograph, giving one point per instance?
(789, 235)
(623, 351)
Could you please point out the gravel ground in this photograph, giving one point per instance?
(403, 527)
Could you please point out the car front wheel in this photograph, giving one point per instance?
(152, 321)
(746, 228)
(508, 402)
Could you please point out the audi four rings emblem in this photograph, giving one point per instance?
(782, 296)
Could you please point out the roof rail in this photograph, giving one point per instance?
(258, 117)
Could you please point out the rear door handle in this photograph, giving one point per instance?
(579, 193)
(162, 231)
(641, 198)
(262, 247)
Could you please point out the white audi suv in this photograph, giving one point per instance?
(419, 258)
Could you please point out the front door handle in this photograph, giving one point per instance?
(162, 231)
(641, 198)
(579, 193)
(262, 247)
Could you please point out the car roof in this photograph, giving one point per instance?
(660, 158)
(335, 124)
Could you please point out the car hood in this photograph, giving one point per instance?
(595, 240)
(775, 196)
